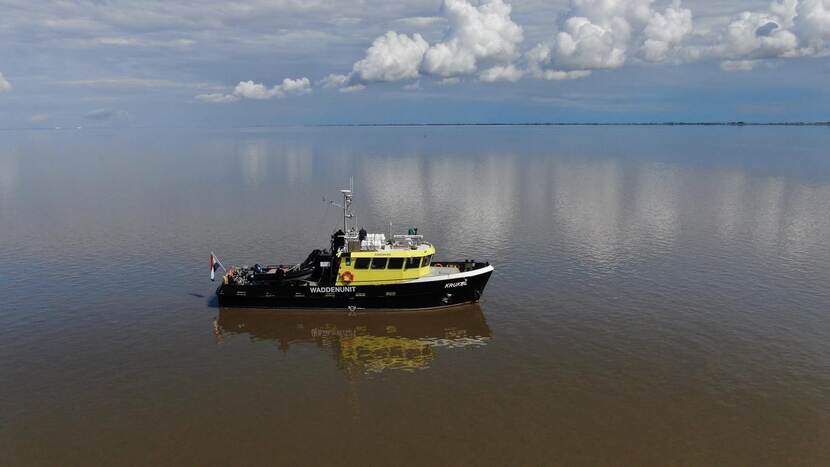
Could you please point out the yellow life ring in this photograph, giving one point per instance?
(347, 277)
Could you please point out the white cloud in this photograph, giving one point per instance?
(392, 57)
(786, 29)
(490, 40)
(501, 73)
(755, 35)
(665, 32)
(482, 34)
(5, 86)
(412, 86)
(294, 86)
(585, 45)
(217, 98)
(814, 22)
(333, 81)
(559, 75)
(251, 90)
(353, 88)
(602, 34)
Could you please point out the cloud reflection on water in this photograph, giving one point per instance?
(603, 211)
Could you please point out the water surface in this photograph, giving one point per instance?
(660, 298)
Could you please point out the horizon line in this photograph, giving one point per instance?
(668, 123)
(444, 124)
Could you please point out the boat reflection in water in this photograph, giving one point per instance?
(364, 342)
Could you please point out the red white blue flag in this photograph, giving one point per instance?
(214, 265)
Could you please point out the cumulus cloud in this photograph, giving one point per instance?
(559, 75)
(483, 39)
(334, 80)
(5, 86)
(501, 73)
(482, 34)
(603, 34)
(353, 88)
(786, 29)
(814, 24)
(465, 40)
(756, 35)
(217, 98)
(665, 32)
(585, 45)
(251, 90)
(392, 57)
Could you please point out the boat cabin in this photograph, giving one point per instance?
(375, 261)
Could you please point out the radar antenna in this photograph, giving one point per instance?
(347, 210)
(346, 206)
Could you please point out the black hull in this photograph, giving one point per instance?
(454, 289)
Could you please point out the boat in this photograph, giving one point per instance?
(359, 270)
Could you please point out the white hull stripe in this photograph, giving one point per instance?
(450, 277)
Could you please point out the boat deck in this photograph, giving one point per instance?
(443, 270)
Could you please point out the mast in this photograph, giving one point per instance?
(347, 209)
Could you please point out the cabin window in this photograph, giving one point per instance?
(427, 260)
(414, 262)
(395, 263)
(379, 263)
(361, 263)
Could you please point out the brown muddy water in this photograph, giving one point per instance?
(661, 297)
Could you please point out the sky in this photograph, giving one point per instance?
(218, 63)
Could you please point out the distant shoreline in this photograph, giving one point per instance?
(318, 125)
(738, 123)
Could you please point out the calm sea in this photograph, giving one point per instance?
(661, 297)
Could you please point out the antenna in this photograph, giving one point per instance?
(351, 188)
(347, 206)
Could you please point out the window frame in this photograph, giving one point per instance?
(417, 265)
(378, 259)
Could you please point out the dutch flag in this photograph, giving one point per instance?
(214, 265)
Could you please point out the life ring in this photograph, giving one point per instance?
(438, 265)
(347, 277)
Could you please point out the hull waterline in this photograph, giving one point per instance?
(431, 292)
